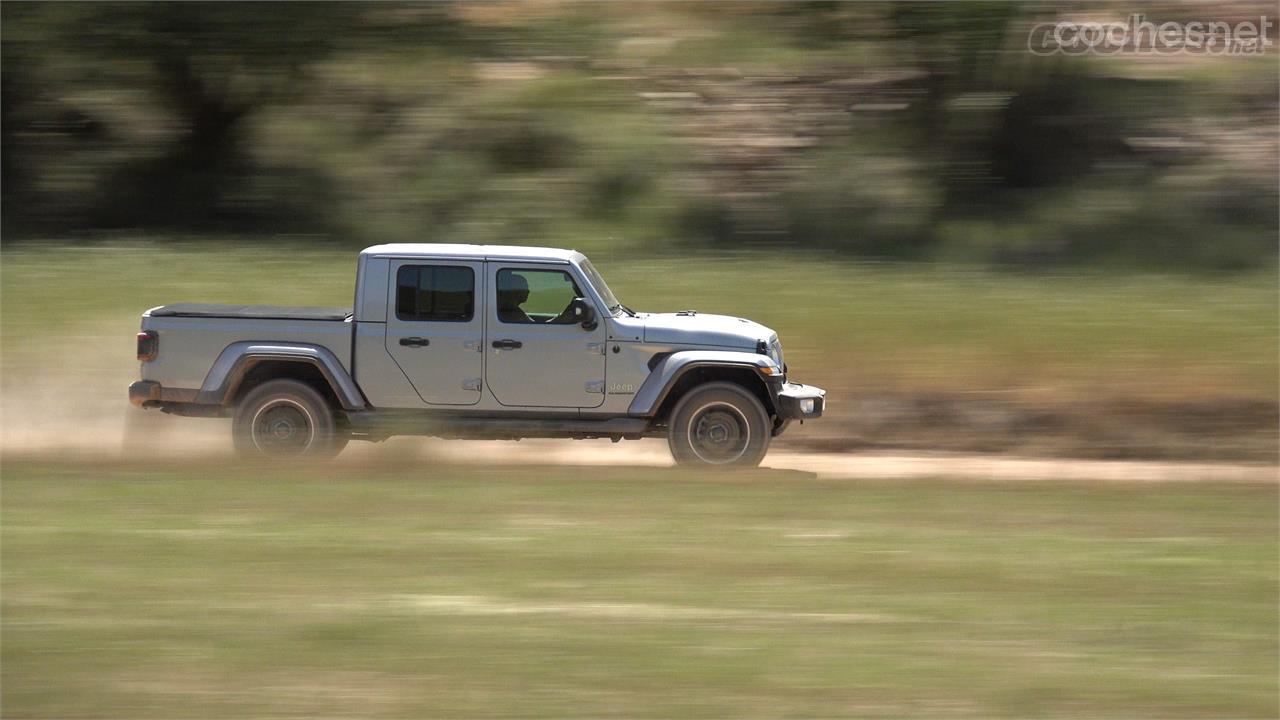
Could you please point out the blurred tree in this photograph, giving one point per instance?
(205, 66)
(212, 65)
(904, 129)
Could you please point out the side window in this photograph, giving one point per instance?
(440, 293)
(535, 296)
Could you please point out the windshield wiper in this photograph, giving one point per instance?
(624, 309)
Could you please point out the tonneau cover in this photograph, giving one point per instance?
(258, 312)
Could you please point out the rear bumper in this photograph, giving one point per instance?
(151, 394)
(144, 391)
(800, 402)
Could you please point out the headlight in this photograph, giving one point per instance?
(806, 406)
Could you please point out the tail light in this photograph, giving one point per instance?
(148, 345)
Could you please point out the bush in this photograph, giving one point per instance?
(865, 204)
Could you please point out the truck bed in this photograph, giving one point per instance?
(256, 312)
(192, 335)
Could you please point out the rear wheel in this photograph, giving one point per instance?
(286, 418)
(719, 425)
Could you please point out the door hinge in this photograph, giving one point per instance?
(474, 345)
(595, 386)
(595, 348)
(471, 384)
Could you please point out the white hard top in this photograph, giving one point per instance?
(479, 252)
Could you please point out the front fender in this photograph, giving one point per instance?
(236, 359)
(668, 370)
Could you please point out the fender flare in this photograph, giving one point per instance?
(670, 368)
(236, 359)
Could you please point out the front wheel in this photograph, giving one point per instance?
(286, 418)
(719, 425)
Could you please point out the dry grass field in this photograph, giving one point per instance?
(414, 589)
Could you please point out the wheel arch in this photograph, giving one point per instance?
(700, 375)
(243, 366)
(676, 374)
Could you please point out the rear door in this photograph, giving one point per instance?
(435, 328)
(535, 357)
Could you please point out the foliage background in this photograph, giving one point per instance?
(971, 246)
(920, 131)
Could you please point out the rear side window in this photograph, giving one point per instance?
(440, 293)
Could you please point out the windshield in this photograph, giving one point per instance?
(594, 277)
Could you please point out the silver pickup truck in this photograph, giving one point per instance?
(473, 341)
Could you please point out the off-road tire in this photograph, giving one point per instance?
(287, 419)
(719, 425)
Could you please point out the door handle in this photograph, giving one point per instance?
(507, 344)
(415, 342)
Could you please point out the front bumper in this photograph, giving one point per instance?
(800, 402)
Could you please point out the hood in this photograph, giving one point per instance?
(705, 330)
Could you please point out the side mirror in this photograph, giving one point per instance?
(583, 313)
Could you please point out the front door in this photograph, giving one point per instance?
(434, 330)
(537, 355)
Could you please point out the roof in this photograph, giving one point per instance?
(481, 252)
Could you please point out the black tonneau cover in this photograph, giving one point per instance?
(256, 312)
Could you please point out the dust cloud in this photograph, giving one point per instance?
(86, 416)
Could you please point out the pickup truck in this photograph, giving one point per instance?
(473, 341)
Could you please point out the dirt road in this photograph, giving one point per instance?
(131, 434)
(871, 465)
(101, 428)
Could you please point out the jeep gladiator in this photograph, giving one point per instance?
(473, 341)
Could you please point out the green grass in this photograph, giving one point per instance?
(846, 326)
(411, 591)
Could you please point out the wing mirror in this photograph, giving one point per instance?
(583, 313)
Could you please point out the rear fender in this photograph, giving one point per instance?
(237, 359)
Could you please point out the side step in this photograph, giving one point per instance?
(376, 425)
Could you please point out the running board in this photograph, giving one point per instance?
(375, 425)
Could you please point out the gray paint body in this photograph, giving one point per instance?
(561, 371)
(190, 345)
